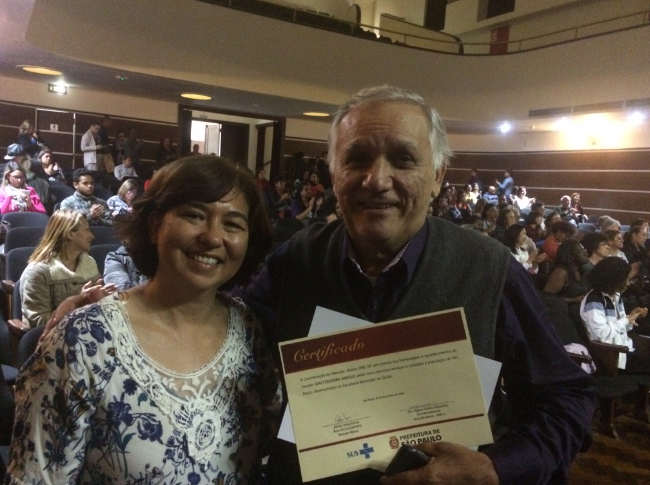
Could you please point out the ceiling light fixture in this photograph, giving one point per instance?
(41, 70)
(316, 113)
(505, 127)
(57, 88)
(195, 96)
(636, 118)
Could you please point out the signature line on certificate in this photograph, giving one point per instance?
(343, 420)
(461, 418)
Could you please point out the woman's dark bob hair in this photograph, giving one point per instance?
(610, 275)
(204, 179)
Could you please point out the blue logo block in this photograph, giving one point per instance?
(366, 450)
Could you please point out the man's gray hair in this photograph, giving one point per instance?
(378, 94)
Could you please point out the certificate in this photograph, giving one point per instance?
(356, 396)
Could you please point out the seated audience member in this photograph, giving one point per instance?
(577, 207)
(567, 213)
(521, 200)
(475, 193)
(605, 317)
(607, 223)
(125, 169)
(303, 204)
(637, 255)
(550, 220)
(490, 215)
(14, 154)
(58, 268)
(279, 200)
(520, 245)
(15, 195)
(325, 209)
(566, 279)
(507, 217)
(474, 223)
(314, 183)
(120, 270)
(540, 209)
(122, 203)
(440, 206)
(634, 245)
(458, 211)
(534, 228)
(560, 232)
(49, 167)
(95, 209)
(478, 207)
(35, 178)
(148, 181)
(597, 247)
(262, 182)
(491, 196)
(165, 153)
(640, 222)
(616, 243)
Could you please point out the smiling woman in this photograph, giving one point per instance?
(171, 364)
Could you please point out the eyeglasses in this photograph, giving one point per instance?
(17, 177)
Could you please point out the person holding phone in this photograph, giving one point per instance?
(90, 145)
(15, 195)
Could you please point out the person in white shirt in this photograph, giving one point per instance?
(89, 145)
(604, 315)
(125, 169)
(521, 200)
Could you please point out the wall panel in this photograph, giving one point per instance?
(610, 182)
(66, 141)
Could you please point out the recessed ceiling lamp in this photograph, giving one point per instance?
(636, 118)
(505, 127)
(195, 96)
(41, 70)
(315, 113)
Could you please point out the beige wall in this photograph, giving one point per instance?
(308, 129)
(548, 19)
(411, 11)
(618, 136)
(35, 93)
(250, 52)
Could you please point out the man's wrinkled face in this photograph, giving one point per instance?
(383, 174)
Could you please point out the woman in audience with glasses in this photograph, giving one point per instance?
(15, 195)
(59, 267)
(122, 203)
(169, 381)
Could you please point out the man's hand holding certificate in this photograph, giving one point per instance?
(356, 396)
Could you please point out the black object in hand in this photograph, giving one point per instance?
(407, 458)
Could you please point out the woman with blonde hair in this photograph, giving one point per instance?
(59, 267)
(15, 195)
(122, 203)
(50, 169)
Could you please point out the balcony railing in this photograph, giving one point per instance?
(436, 41)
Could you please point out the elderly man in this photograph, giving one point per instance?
(387, 260)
